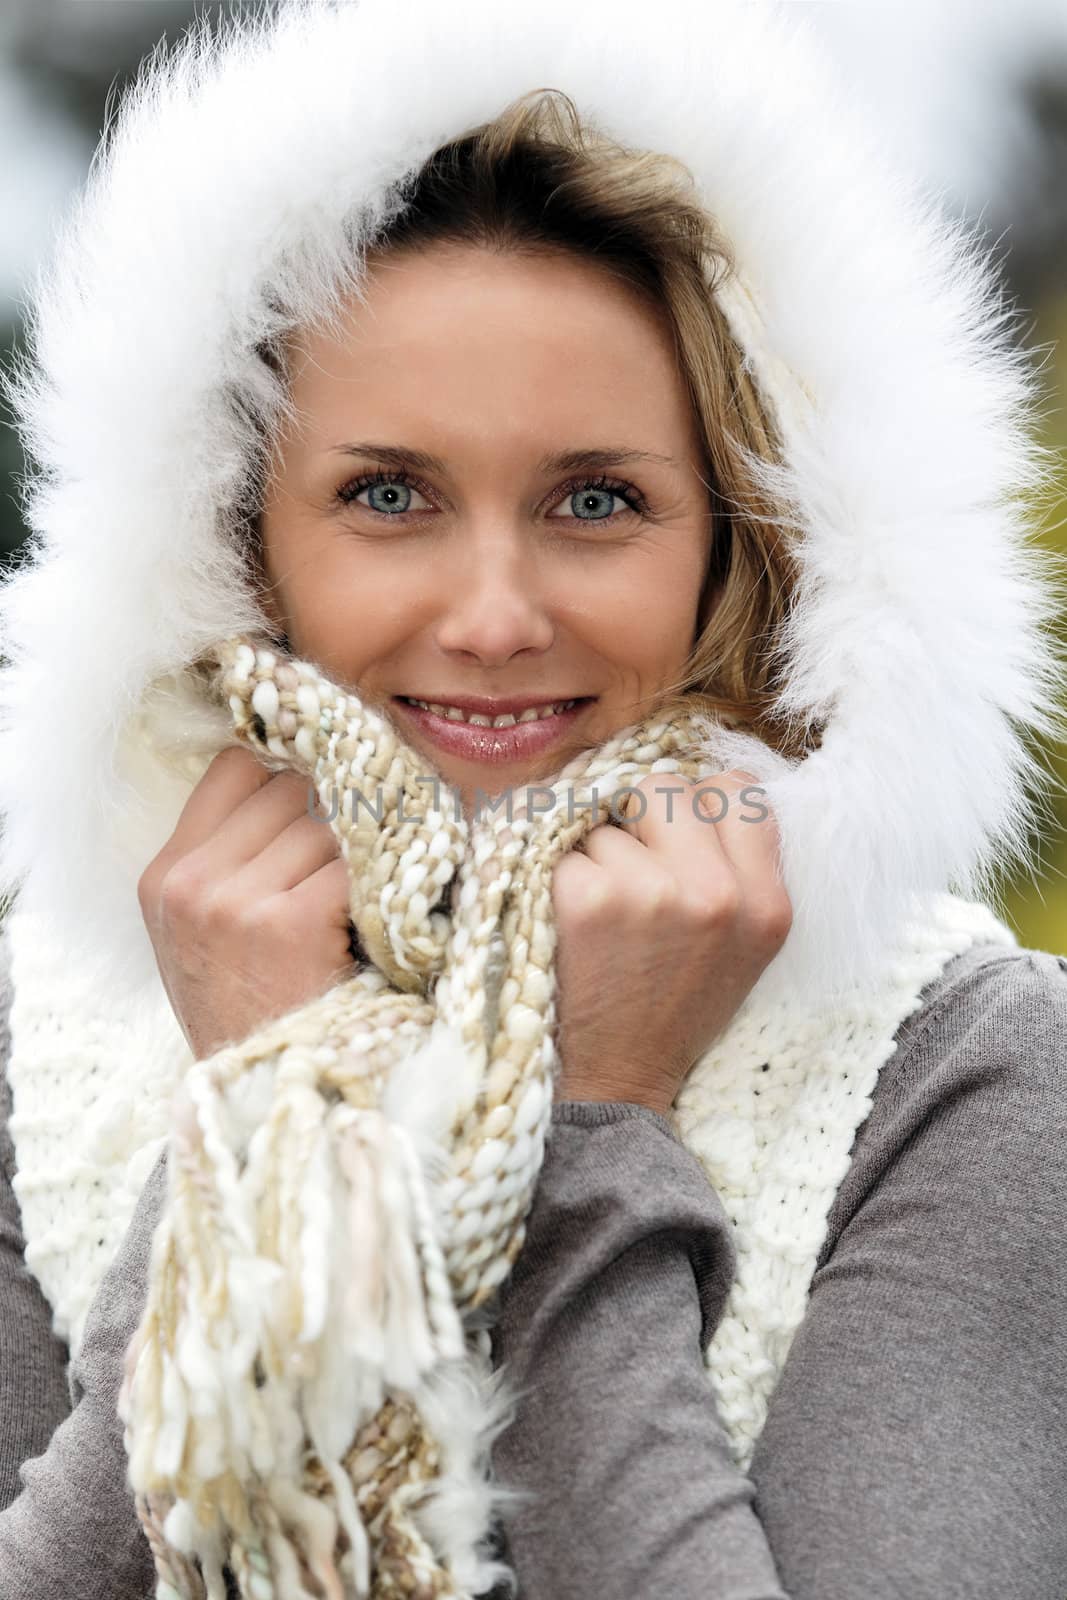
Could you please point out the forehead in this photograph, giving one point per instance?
(446, 279)
(494, 337)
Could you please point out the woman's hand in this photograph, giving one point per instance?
(663, 926)
(246, 904)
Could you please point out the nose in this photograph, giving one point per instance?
(494, 607)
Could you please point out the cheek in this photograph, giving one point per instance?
(648, 614)
(682, 602)
(353, 614)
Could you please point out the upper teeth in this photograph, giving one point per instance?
(454, 714)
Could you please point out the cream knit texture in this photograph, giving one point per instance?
(92, 1075)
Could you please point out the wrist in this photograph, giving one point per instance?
(572, 1089)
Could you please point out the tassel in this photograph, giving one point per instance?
(291, 1321)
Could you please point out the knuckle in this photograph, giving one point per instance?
(579, 896)
(653, 894)
(627, 889)
(148, 888)
(721, 904)
(180, 892)
(585, 904)
(696, 905)
(263, 918)
(221, 913)
(709, 903)
(773, 917)
(248, 917)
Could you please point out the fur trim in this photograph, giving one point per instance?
(225, 205)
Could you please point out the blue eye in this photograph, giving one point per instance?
(390, 492)
(379, 496)
(589, 498)
(585, 504)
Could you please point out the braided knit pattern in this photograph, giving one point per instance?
(315, 1259)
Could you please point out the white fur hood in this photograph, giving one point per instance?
(223, 208)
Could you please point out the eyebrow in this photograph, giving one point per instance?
(559, 461)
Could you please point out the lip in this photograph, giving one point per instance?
(494, 706)
(492, 746)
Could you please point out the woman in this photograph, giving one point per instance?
(863, 1065)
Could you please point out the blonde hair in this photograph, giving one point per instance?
(538, 179)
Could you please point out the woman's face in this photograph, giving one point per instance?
(494, 501)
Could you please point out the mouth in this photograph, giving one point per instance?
(475, 739)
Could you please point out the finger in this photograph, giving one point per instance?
(669, 816)
(645, 875)
(325, 895)
(255, 823)
(661, 812)
(612, 847)
(231, 777)
(291, 856)
(263, 815)
(736, 805)
(745, 827)
(574, 876)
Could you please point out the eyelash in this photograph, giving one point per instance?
(626, 492)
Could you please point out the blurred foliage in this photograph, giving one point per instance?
(1036, 903)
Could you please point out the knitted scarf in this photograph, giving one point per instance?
(307, 1399)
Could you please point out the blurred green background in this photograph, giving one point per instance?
(974, 99)
(1037, 904)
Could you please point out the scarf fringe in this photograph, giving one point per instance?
(299, 1310)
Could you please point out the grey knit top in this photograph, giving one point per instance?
(916, 1444)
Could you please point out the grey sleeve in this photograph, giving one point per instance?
(33, 1362)
(916, 1443)
(628, 1485)
(74, 1530)
(68, 1524)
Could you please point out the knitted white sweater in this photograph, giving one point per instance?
(771, 1111)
